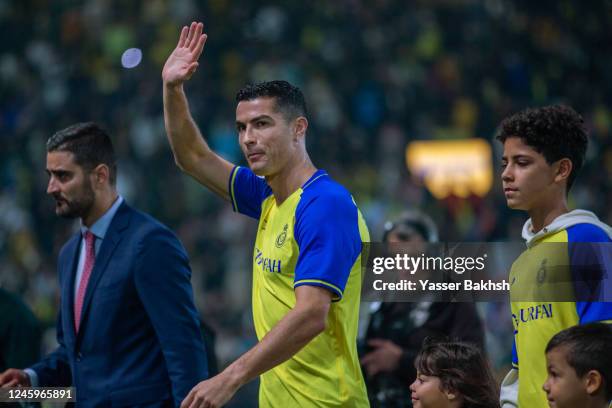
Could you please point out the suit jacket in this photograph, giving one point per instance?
(139, 341)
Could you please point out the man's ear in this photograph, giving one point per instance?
(563, 169)
(593, 382)
(101, 174)
(300, 126)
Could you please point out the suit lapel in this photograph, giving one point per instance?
(113, 236)
(69, 275)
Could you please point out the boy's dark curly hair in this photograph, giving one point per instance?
(555, 131)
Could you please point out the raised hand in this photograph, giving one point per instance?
(183, 61)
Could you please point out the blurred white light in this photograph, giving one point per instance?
(131, 58)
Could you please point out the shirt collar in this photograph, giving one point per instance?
(100, 227)
(317, 174)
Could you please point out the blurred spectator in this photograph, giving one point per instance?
(380, 74)
(397, 329)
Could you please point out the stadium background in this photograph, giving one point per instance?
(376, 76)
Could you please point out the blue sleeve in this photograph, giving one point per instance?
(515, 362)
(327, 234)
(590, 251)
(247, 191)
(162, 279)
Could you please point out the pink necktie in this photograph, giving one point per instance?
(90, 258)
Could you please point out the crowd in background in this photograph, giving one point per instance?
(376, 76)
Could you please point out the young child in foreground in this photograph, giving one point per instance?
(579, 365)
(453, 375)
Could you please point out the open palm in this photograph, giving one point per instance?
(183, 61)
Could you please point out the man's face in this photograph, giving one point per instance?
(407, 241)
(69, 185)
(410, 239)
(563, 387)
(266, 138)
(527, 179)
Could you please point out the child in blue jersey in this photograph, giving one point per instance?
(543, 150)
(579, 366)
(453, 375)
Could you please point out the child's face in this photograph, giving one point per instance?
(563, 386)
(427, 392)
(527, 178)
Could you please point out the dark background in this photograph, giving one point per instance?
(376, 75)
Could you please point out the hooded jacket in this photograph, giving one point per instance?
(562, 257)
(565, 221)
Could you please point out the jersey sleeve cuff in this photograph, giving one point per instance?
(337, 293)
(230, 189)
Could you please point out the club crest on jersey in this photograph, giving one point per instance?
(541, 276)
(280, 240)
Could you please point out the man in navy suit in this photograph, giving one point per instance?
(128, 330)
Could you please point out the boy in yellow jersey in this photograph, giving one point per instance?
(307, 255)
(543, 150)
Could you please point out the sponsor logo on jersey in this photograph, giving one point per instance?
(267, 264)
(531, 313)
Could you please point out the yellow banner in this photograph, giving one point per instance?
(452, 167)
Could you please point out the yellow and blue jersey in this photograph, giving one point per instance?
(312, 238)
(559, 266)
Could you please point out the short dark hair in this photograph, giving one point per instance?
(461, 368)
(289, 99)
(555, 131)
(90, 145)
(420, 222)
(588, 348)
